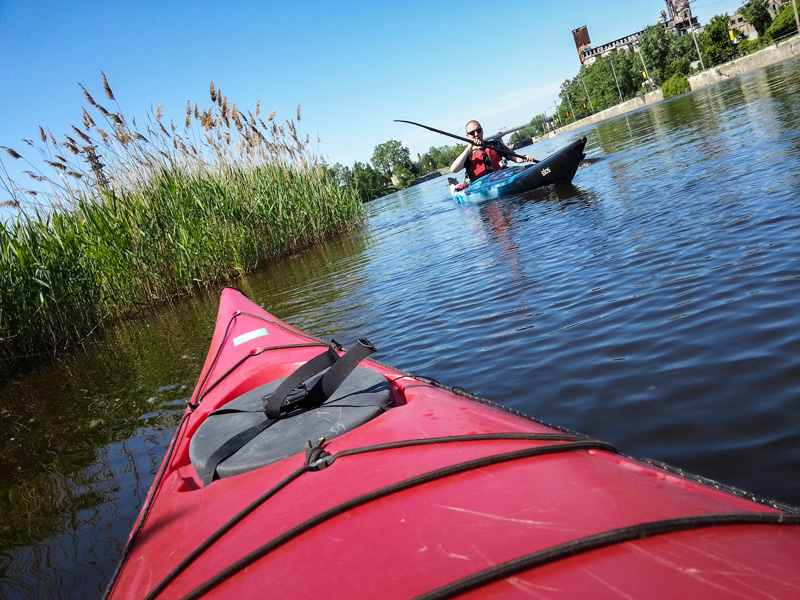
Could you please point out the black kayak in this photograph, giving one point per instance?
(559, 167)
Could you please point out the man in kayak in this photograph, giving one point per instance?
(480, 158)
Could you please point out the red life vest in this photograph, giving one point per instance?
(483, 161)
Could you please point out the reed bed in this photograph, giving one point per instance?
(125, 218)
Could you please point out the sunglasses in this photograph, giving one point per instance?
(474, 131)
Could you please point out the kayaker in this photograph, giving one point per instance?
(480, 158)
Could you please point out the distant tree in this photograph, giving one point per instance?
(715, 42)
(405, 176)
(755, 12)
(601, 79)
(749, 46)
(438, 158)
(681, 47)
(662, 48)
(533, 129)
(341, 174)
(388, 156)
(573, 101)
(629, 73)
(655, 44)
(369, 182)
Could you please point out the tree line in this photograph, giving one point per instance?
(661, 59)
(391, 168)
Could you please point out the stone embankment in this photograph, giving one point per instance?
(768, 56)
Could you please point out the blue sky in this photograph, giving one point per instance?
(354, 66)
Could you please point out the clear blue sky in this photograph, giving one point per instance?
(354, 66)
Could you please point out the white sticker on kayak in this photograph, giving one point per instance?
(250, 335)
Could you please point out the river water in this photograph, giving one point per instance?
(653, 304)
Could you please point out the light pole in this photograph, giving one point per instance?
(587, 94)
(694, 35)
(796, 18)
(646, 71)
(572, 108)
(613, 70)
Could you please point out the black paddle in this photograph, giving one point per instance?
(458, 137)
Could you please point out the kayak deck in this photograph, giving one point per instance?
(442, 494)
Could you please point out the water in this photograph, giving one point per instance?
(652, 304)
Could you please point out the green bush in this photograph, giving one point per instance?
(783, 24)
(682, 66)
(675, 86)
(749, 46)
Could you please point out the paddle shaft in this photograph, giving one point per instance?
(458, 137)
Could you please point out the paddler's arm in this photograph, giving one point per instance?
(459, 162)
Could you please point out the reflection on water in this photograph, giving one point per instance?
(652, 304)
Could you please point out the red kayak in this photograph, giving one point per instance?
(301, 470)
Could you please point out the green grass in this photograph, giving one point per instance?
(131, 219)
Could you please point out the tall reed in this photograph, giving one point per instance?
(125, 218)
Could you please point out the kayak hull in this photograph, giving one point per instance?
(440, 488)
(558, 168)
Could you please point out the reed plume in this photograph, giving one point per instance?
(107, 88)
(124, 216)
(81, 135)
(87, 95)
(88, 122)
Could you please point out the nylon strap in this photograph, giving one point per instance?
(336, 375)
(316, 365)
(338, 370)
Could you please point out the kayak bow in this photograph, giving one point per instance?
(300, 471)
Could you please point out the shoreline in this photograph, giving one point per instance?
(768, 56)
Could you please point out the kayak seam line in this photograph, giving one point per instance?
(703, 480)
(544, 437)
(603, 540)
(200, 397)
(242, 360)
(148, 505)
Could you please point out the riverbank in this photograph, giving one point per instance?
(768, 56)
(115, 255)
(135, 220)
